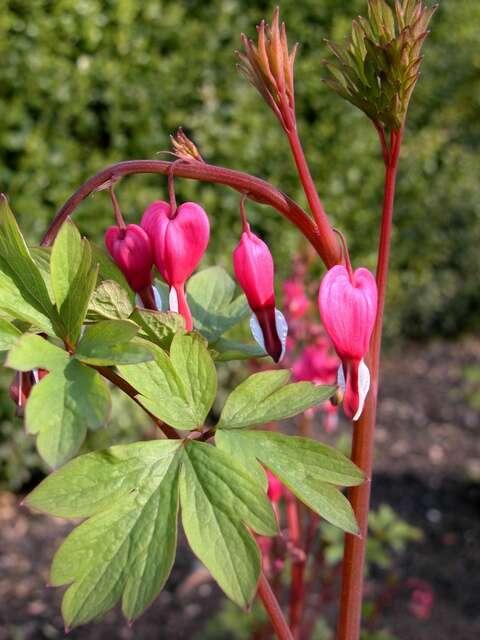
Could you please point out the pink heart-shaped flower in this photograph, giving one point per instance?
(131, 251)
(179, 242)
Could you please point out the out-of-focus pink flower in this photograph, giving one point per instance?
(131, 251)
(421, 599)
(295, 300)
(348, 307)
(254, 270)
(179, 241)
(275, 488)
(315, 364)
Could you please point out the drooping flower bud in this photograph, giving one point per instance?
(254, 270)
(131, 251)
(348, 307)
(179, 240)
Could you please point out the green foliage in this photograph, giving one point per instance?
(267, 396)
(84, 86)
(74, 277)
(113, 342)
(178, 388)
(131, 495)
(212, 301)
(309, 469)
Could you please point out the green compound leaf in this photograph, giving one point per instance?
(23, 293)
(73, 278)
(110, 301)
(219, 500)
(62, 406)
(158, 327)
(9, 335)
(226, 350)
(180, 388)
(127, 547)
(308, 468)
(267, 397)
(33, 352)
(211, 299)
(111, 342)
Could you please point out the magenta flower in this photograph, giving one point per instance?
(316, 364)
(254, 270)
(275, 488)
(295, 299)
(179, 241)
(131, 251)
(348, 307)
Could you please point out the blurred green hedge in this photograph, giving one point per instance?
(86, 83)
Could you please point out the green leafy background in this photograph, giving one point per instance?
(86, 84)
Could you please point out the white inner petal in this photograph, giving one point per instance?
(282, 330)
(257, 332)
(173, 300)
(363, 387)
(341, 379)
(158, 298)
(138, 302)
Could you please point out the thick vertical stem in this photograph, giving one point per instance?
(273, 609)
(364, 430)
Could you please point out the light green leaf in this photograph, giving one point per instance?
(73, 277)
(179, 389)
(41, 257)
(267, 397)
(9, 335)
(157, 326)
(112, 342)
(62, 406)
(20, 275)
(226, 350)
(34, 352)
(110, 300)
(211, 300)
(127, 548)
(18, 302)
(307, 467)
(219, 500)
(11, 239)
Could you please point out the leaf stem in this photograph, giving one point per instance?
(273, 609)
(364, 430)
(259, 190)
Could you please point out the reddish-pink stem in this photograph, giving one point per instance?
(273, 609)
(363, 431)
(311, 193)
(324, 243)
(297, 565)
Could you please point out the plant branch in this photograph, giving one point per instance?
(273, 609)
(259, 190)
(364, 429)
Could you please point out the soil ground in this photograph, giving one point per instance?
(427, 468)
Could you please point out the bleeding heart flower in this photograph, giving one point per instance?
(295, 299)
(179, 241)
(348, 307)
(254, 270)
(131, 251)
(275, 488)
